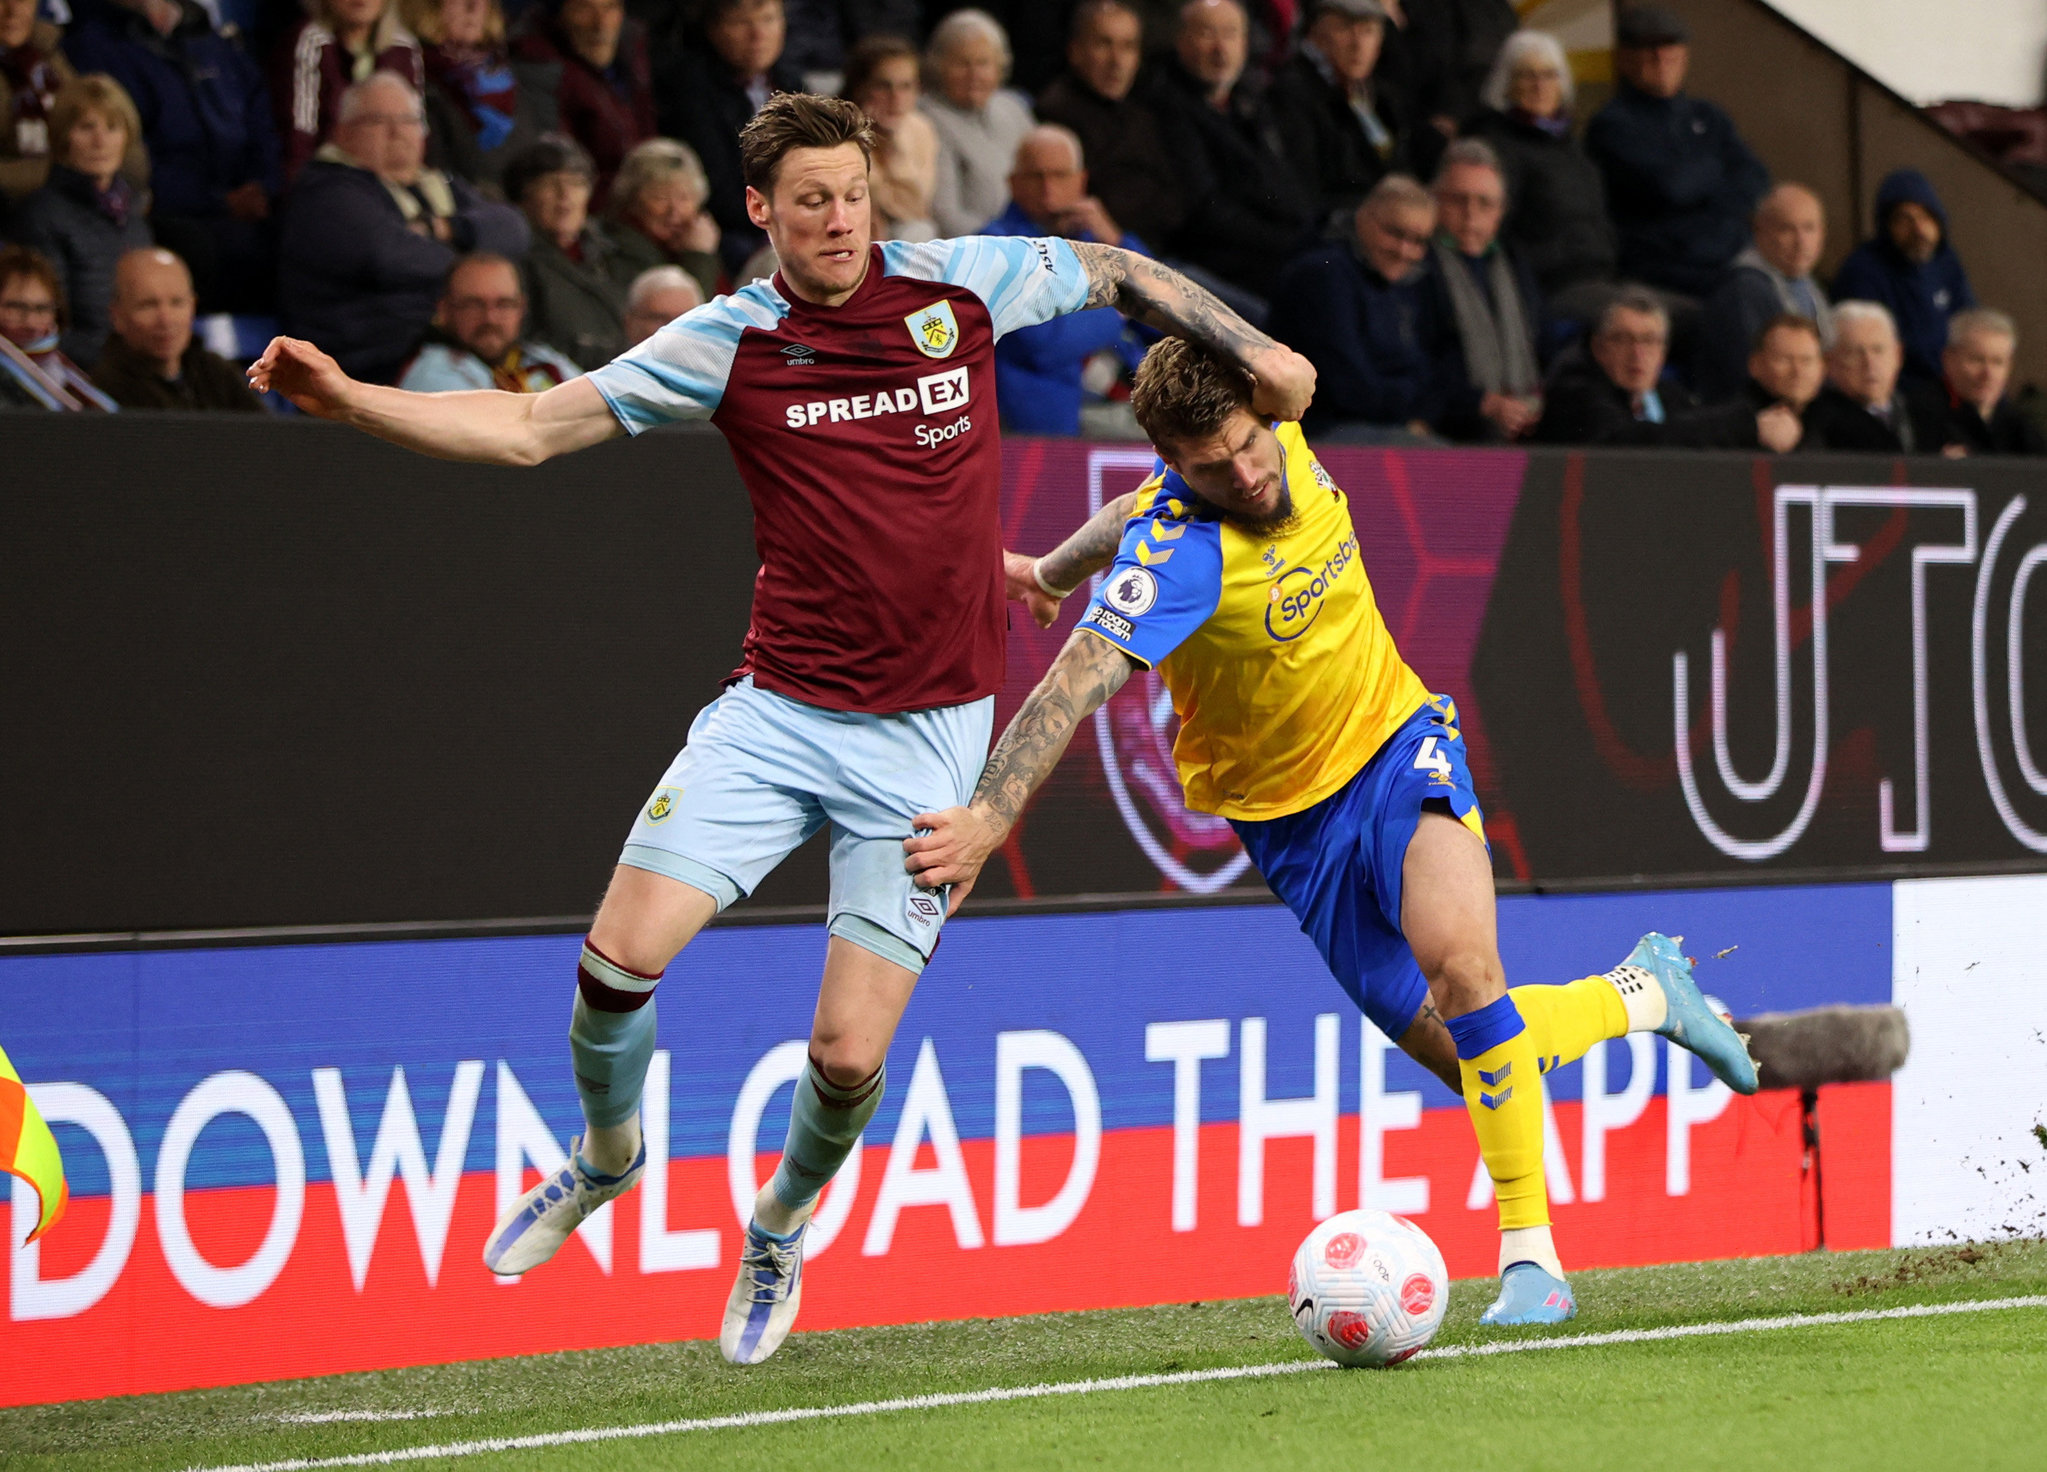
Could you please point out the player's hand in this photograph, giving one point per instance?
(1020, 585)
(1283, 382)
(305, 375)
(950, 848)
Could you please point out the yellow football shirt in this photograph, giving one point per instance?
(1282, 672)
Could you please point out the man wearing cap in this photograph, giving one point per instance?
(1680, 182)
(1337, 125)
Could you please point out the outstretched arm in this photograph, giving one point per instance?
(1160, 297)
(958, 841)
(1089, 550)
(485, 426)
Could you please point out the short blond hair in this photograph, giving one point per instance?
(656, 161)
(96, 92)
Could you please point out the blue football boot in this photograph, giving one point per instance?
(542, 1219)
(769, 1290)
(1692, 1022)
(1530, 1295)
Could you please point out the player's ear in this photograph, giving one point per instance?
(757, 207)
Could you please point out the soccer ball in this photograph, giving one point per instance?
(1368, 1288)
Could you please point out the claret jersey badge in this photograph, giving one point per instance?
(934, 329)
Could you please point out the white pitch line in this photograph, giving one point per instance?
(319, 1418)
(543, 1440)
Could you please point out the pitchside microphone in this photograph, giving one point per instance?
(1824, 1045)
(1827, 1045)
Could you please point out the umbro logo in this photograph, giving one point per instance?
(798, 355)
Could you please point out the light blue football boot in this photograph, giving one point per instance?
(769, 1290)
(541, 1220)
(1692, 1023)
(1530, 1295)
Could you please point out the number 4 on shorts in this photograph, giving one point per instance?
(1431, 760)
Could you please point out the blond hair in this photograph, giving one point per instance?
(96, 92)
(423, 19)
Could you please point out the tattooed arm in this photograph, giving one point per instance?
(1160, 297)
(1087, 551)
(951, 846)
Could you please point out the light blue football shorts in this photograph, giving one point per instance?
(761, 773)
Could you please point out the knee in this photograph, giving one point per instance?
(844, 1061)
(1464, 981)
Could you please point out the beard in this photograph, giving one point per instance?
(1276, 522)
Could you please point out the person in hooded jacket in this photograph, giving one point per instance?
(1910, 268)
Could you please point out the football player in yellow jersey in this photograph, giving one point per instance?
(1237, 574)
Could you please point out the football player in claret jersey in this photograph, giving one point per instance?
(856, 390)
(1237, 574)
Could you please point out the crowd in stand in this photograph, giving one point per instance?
(475, 193)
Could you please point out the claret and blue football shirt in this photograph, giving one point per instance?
(1281, 669)
(867, 438)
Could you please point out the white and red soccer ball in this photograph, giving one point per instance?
(1368, 1288)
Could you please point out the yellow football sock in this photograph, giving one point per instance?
(1498, 1058)
(1566, 1021)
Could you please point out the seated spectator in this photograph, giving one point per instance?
(1615, 391)
(370, 233)
(1487, 308)
(1338, 133)
(1910, 269)
(340, 43)
(475, 338)
(576, 304)
(1862, 407)
(1362, 315)
(657, 216)
(656, 299)
(1679, 180)
(1556, 200)
(481, 107)
(881, 76)
(1773, 276)
(1977, 368)
(32, 71)
(152, 360)
(979, 123)
(1129, 164)
(31, 314)
(708, 95)
(1246, 212)
(92, 210)
(1044, 374)
(213, 156)
(824, 35)
(605, 96)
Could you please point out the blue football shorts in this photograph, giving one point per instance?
(1337, 865)
(761, 773)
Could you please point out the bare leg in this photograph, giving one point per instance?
(1428, 1042)
(1447, 915)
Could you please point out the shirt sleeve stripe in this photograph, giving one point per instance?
(681, 371)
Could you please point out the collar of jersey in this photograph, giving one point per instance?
(1199, 508)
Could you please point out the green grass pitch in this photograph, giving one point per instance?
(1962, 1389)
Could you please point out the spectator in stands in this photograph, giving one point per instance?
(1862, 407)
(606, 94)
(656, 299)
(1129, 163)
(1771, 277)
(340, 43)
(979, 122)
(1616, 392)
(94, 206)
(153, 361)
(1485, 303)
(576, 302)
(1453, 46)
(1679, 180)
(1247, 213)
(657, 216)
(475, 340)
(1788, 366)
(1977, 368)
(1361, 313)
(32, 71)
(213, 155)
(707, 96)
(481, 108)
(881, 76)
(370, 233)
(1339, 134)
(1556, 200)
(1044, 374)
(31, 320)
(1911, 269)
(824, 34)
